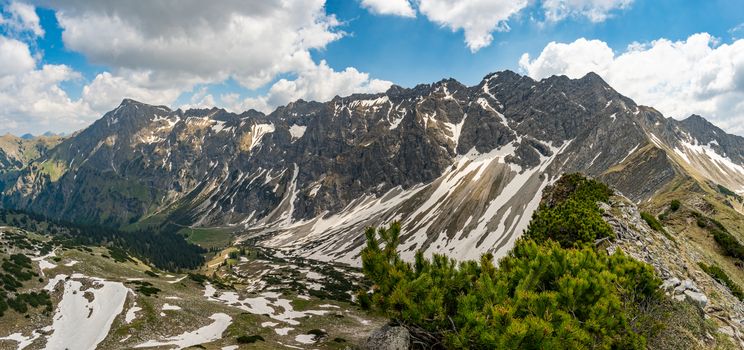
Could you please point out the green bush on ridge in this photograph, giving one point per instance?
(652, 222)
(554, 290)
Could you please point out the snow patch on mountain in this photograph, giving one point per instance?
(297, 131)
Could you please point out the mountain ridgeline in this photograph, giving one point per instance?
(462, 168)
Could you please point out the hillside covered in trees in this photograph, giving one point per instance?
(164, 248)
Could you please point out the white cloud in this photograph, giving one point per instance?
(107, 90)
(15, 57)
(477, 18)
(315, 82)
(31, 99)
(200, 99)
(737, 32)
(21, 18)
(679, 78)
(594, 10)
(158, 51)
(574, 59)
(390, 7)
(250, 41)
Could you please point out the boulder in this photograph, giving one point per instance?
(670, 283)
(388, 338)
(696, 297)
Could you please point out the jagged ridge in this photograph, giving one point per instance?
(462, 167)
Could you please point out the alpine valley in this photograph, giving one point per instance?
(162, 228)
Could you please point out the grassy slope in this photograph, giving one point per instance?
(343, 322)
(699, 196)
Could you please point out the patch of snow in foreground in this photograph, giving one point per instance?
(205, 334)
(167, 306)
(80, 324)
(231, 347)
(178, 280)
(266, 304)
(132, 313)
(44, 264)
(305, 338)
(283, 331)
(22, 340)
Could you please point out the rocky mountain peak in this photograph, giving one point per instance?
(460, 166)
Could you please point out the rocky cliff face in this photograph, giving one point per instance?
(461, 167)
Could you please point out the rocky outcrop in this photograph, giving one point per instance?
(388, 338)
(675, 260)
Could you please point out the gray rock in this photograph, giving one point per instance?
(686, 285)
(670, 283)
(698, 298)
(388, 338)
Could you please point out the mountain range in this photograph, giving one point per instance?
(462, 167)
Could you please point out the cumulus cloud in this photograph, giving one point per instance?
(21, 18)
(477, 18)
(107, 90)
(31, 98)
(693, 76)
(390, 7)
(156, 52)
(315, 82)
(249, 41)
(594, 10)
(574, 59)
(15, 57)
(201, 99)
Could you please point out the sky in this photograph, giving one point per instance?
(65, 63)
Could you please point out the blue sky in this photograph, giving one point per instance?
(70, 61)
(411, 51)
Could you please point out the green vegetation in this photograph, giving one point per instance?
(208, 238)
(554, 290)
(119, 255)
(198, 278)
(317, 334)
(249, 339)
(17, 269)
(145, 288)
(164, 248)
(728, 243)
(652, 221)
(569, 213)
(53, 168)
(730, 193)
(719, 275)
(725, 240)
(675, 205)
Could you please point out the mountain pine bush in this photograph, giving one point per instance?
(568, 213)
(555, 293)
